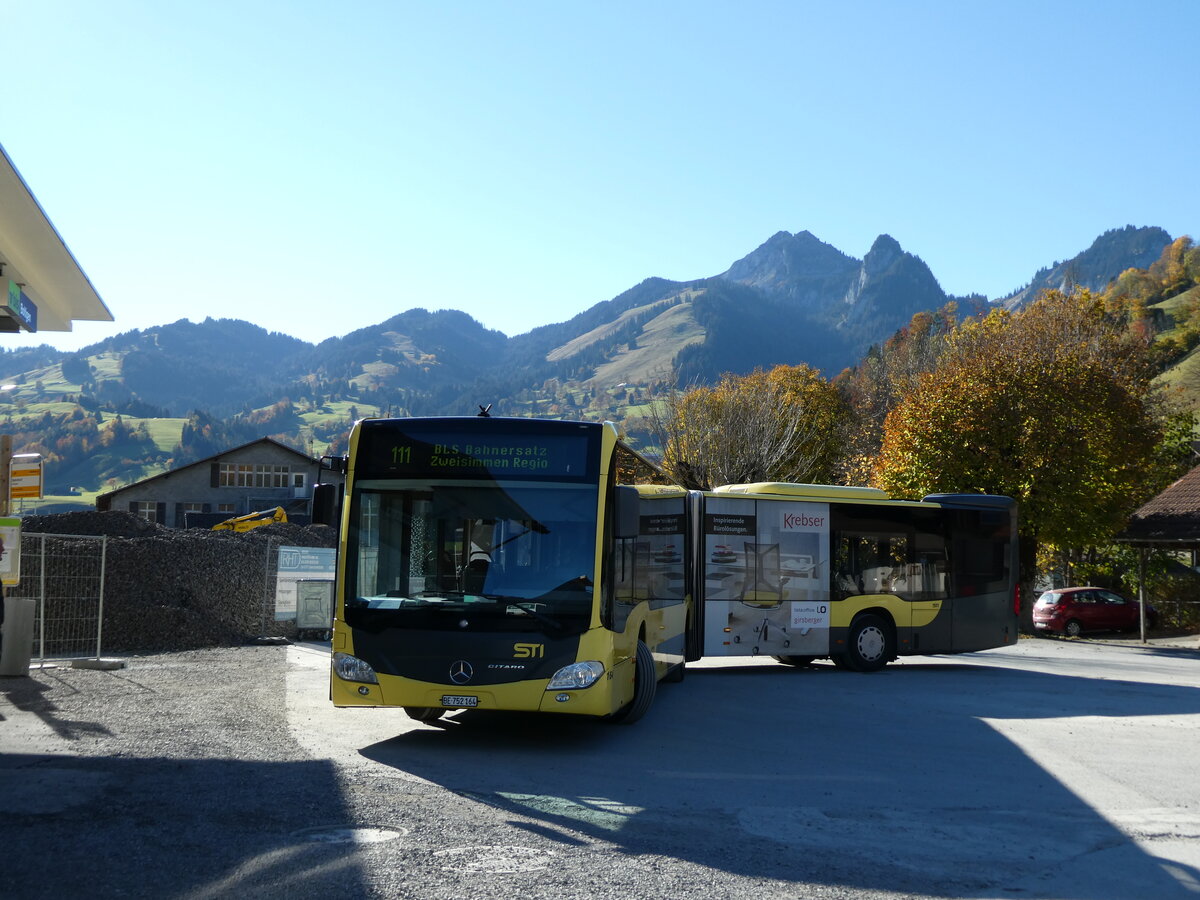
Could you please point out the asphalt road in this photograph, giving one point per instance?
(1063, 769)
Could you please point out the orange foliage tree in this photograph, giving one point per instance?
(1053, 406)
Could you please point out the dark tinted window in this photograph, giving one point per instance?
(980, 540)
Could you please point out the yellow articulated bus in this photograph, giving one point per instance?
(801, 572)
(525, 564)
(491, 563)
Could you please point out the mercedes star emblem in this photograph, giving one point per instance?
(461, 672)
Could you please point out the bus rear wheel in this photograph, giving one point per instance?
(870, 643)
(424, 713)
(645, 682)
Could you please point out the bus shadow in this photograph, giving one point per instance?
(893, 782)
(138, 826)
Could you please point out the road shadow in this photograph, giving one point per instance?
(891, 782)
(75, 826)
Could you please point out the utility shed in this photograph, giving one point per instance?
(1170, 521)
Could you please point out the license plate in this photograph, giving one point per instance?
(457, 700)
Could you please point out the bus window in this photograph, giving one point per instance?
(868, 563)
(883, 550)
(980, 545)
(650, 567)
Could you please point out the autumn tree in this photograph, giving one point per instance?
(886, 375)
(1173, 275)
(1053, 406)
(779, 425)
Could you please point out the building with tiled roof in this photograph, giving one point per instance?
(1171, 520)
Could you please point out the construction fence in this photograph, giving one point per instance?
(92, 594)
(63, 576)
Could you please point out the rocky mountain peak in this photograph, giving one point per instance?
(883, 254)
(788, 257)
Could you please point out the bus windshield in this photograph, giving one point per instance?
(517, 556)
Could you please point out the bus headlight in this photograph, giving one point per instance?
(351, 668)
(577, 675)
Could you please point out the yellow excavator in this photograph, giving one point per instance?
(252, 520)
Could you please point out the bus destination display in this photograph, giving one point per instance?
(459, 455)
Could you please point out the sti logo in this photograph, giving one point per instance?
(528, 651)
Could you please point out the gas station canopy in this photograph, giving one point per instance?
(42, 287)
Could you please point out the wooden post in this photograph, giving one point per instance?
(1143, 552)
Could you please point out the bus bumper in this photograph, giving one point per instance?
(521, 696)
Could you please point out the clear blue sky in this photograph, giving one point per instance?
(318, 167)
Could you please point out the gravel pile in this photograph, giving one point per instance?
(169, 589)
(86, 521)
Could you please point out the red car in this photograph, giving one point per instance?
(1072, 611)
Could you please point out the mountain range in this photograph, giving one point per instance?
(793, 299)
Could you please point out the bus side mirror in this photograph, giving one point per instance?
(325, 504)
(337, 464)
(627, 512)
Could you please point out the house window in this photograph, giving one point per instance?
(146, 509)
(227, 507)
(298, 479)
(254, 475)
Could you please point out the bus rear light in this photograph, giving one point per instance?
(351, 668)
(575, 676)
(1017, 599)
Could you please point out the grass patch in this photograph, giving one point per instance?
(166, 433)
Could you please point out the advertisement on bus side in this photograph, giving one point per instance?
(766, 577)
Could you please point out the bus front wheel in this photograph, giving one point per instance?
(870, 643)
(645, 681)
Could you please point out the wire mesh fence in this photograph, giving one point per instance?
(83, 596)
(64, 575)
